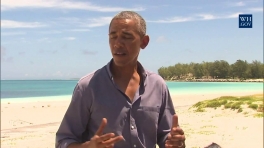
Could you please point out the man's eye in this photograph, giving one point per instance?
(126, 37)
(113, 37)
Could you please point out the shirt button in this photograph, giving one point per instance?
(135, 145)
(132, 127)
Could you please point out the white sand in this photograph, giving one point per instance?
(33, 124)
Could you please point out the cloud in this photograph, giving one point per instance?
(79, 30)
(62, 4)
(161, 39)
(69, 38)
(173, 20)
(239, 4)
(12, 33)
(233, 15)
(256, 9)
(101, 21)
(16, 24)
(44, 40)
(50, 32)
(197, 17)
(207, 16)
(86, 52)
(61, 31)
(93, 22)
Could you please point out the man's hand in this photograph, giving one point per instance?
(176, 138)
(103, 141)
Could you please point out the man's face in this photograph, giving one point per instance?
(125, 41)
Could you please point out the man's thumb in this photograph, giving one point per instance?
(175, 121)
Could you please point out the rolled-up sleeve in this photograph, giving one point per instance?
(74, 122)
(165, 118)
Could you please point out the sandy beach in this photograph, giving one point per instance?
(33, 124)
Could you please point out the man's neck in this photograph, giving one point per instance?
(124, 72)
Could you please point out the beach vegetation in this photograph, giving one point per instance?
(206, 132)
(253, 106)
(219, 69)
(245, 113)
(253, 102)
(236, 105)
(228, 105)
(260, 108)
(259, 115)
(199, 109)
(240, 110)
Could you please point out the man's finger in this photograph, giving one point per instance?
(177, 138)
(101, 127)
(177, 131)
(105, 137)
(175, 121)
(112, 140)
(173, 144)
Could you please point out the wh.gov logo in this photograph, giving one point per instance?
(245, 20)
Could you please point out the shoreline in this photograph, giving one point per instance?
(173, 94)
(218, 80)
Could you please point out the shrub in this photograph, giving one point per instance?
(236, 105)
(223, 102)
(253, 106)
(228, 105)
(239, 110)
(259, 115)
(249, 102)
(213, 104)
(199, 109)
(246, 98)
(260, 108)
(198, 104)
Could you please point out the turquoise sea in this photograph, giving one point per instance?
(24, 89)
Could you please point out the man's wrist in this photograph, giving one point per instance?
(79, 145)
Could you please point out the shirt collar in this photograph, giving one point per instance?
(142, 73)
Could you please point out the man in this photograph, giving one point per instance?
(121, 105)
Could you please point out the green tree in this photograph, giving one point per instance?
(206, 68)
(256, 69)
(240, 69)
(198, 70)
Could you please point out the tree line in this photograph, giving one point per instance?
(219, 69)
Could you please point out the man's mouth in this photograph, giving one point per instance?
(120, 53)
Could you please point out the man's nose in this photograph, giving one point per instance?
(118, 42)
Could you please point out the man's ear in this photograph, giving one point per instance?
(144, 42)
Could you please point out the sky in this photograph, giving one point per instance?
(65, 39)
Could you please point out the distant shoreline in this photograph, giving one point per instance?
(217, 80)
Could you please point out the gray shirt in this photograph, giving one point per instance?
(143, 122)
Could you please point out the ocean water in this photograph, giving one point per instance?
(55, 89)
(213, 87)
